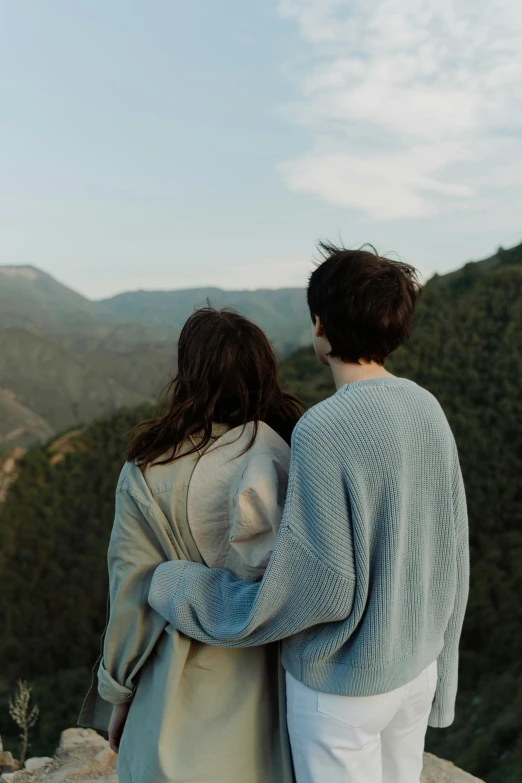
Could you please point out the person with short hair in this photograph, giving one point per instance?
(368, 581)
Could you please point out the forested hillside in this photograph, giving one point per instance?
(56, 519)
(65, 360)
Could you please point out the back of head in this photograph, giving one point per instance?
(365, 302)
(227, 374)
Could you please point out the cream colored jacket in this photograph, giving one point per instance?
(199, 713)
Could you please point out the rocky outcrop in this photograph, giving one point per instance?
(31, 765)
(438, 771)
(83, 755)
(7, 762)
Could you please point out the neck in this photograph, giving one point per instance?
(346, 372)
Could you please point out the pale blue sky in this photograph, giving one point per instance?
(163, 144)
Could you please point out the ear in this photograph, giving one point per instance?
(318, 326)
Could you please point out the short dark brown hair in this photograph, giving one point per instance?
(227, 373)
(365, 302)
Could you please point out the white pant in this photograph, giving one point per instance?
(360, 739)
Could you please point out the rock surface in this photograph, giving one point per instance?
(83, 755)
(438, 771)
(7, 762)
(31, 765)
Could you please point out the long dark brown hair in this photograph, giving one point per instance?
(227, 374)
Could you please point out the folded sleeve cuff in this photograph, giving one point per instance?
(110, 690)
(440, 717)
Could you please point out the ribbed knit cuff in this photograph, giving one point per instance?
(165, 583)
(110, 690)
(440, 717)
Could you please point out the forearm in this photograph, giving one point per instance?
(210, 605)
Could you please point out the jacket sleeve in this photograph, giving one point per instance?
(309, 580)
(443, 710)
(133, 628)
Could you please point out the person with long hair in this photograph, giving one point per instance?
(205, 481)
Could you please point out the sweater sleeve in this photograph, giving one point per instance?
(309, 580)
(443, 711)
(133, 628)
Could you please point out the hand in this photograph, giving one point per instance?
(117, 724)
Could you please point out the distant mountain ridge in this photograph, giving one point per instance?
(282, 313)
(31, 297)
(66, 359)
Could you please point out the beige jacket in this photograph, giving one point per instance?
(199, 713)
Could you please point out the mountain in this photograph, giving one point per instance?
(30, 297)
(51, 382)
(64, 359)
(465, 277)
(282, 313)
(54, 382)
(20, 425)
(122, 351)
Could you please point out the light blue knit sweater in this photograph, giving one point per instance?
(368, 582)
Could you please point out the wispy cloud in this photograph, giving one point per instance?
(414, 106)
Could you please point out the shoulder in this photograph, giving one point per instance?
(426, 406)
(226, 471)
(132, 484)
(422, 394)
(270, 446)
(164, 476)
(358, 408)
(127, 477)
(319, 422)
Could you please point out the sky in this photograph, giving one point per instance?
(160, 144)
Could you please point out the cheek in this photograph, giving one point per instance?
(321, 350)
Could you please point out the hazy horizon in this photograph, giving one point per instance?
(215, 286)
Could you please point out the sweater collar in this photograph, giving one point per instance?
(384, 381)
